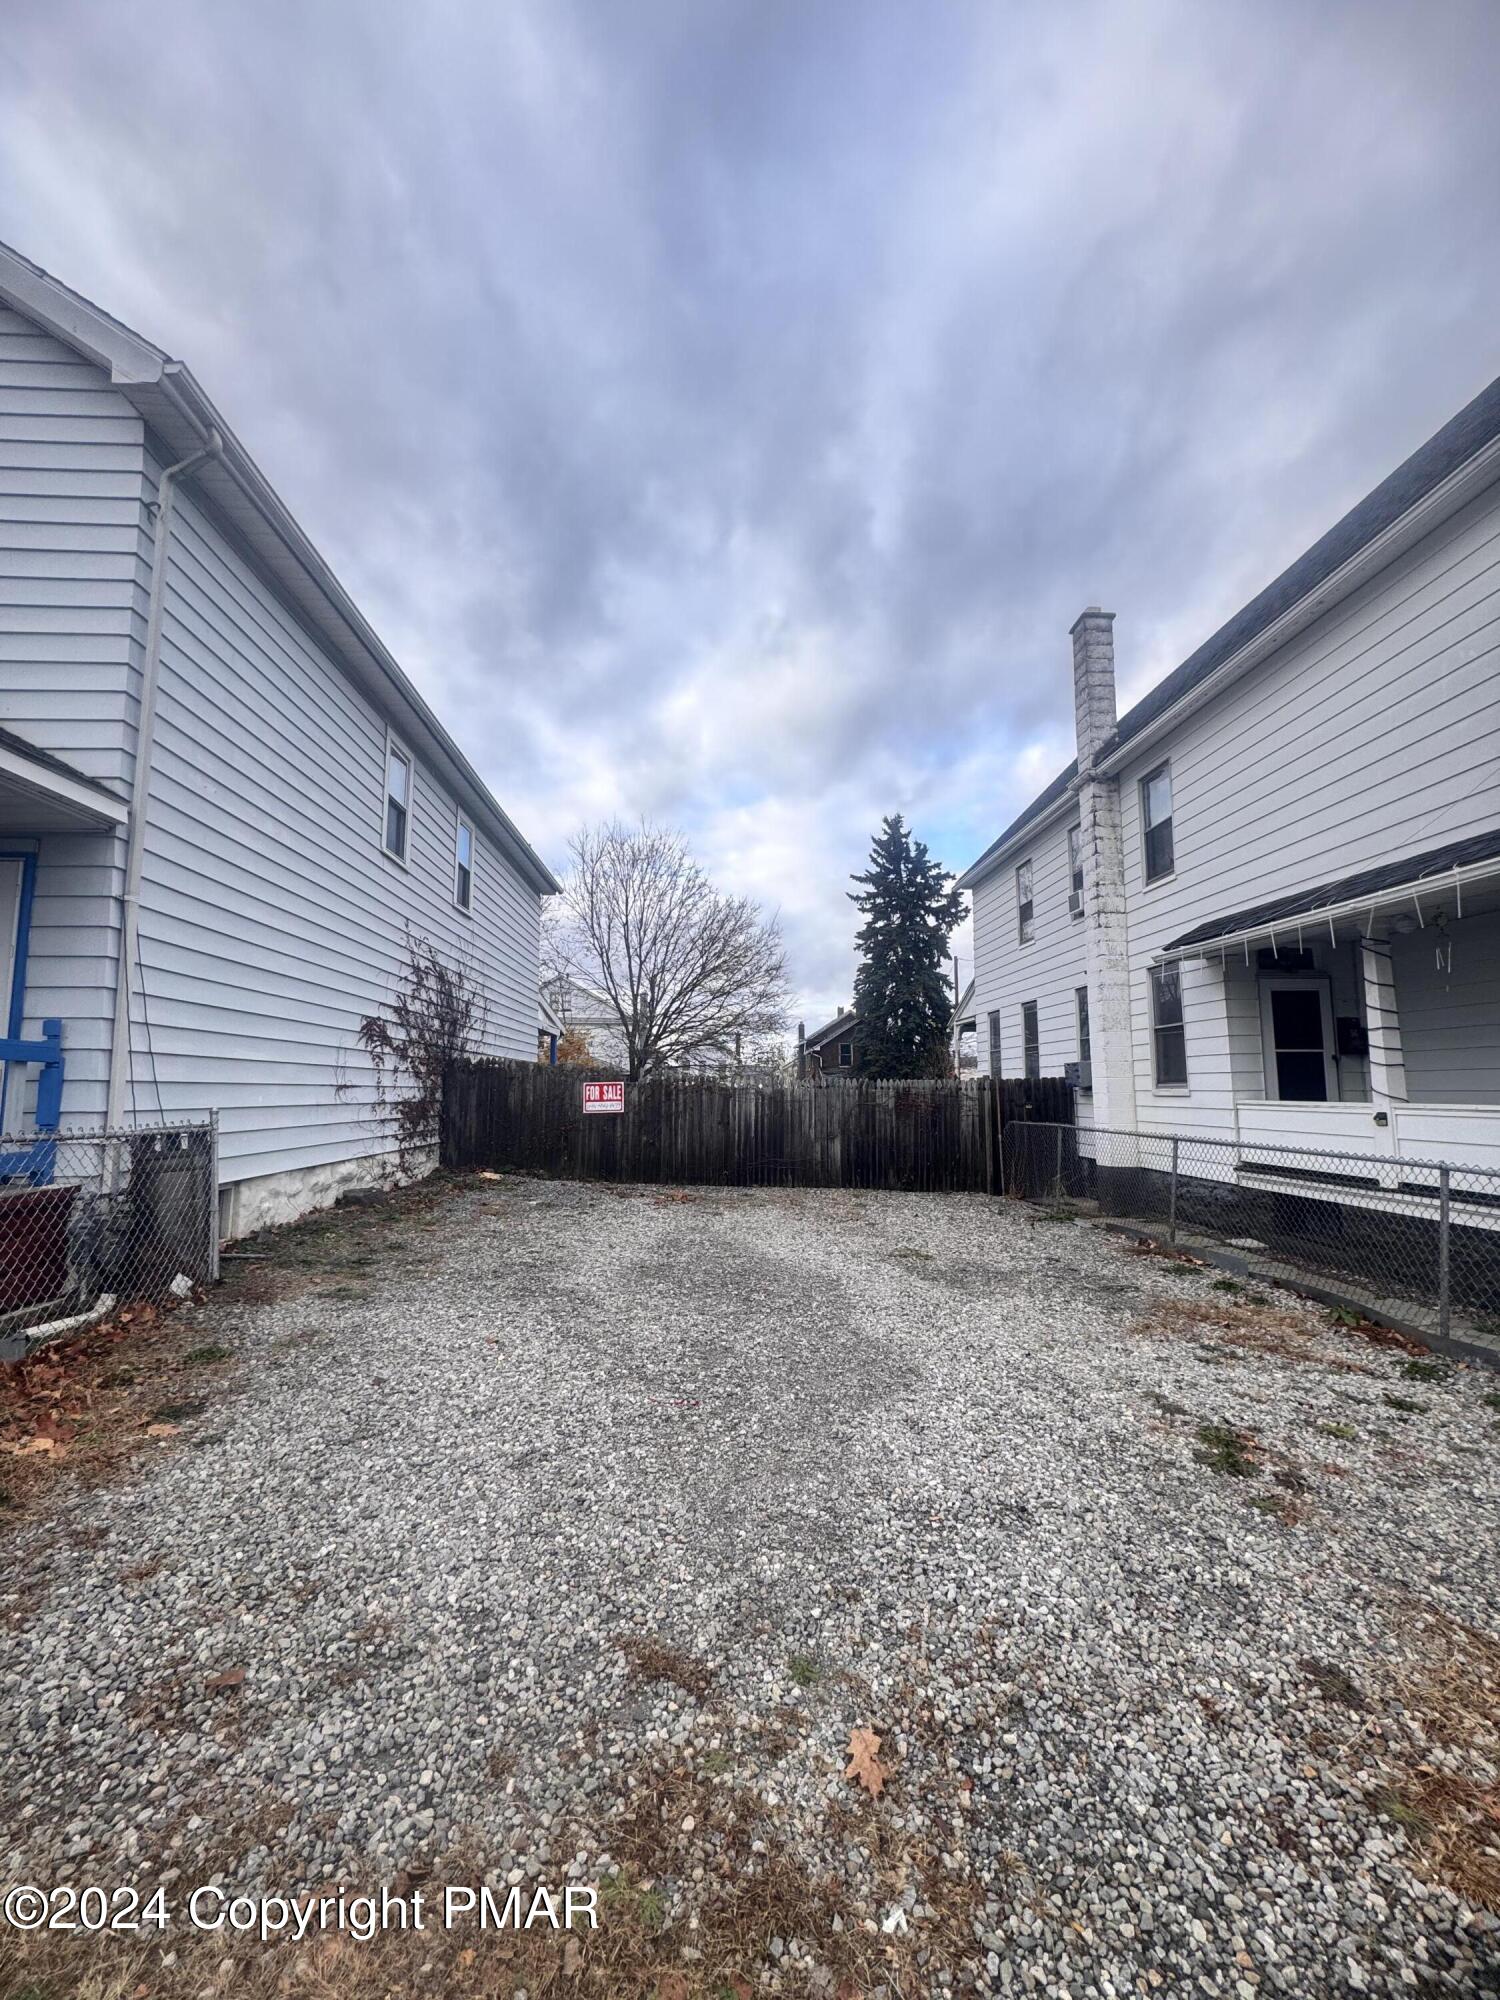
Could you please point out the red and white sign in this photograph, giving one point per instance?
(604, 1097)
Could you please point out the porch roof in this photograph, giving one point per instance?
(1460, 862)
(39, 793)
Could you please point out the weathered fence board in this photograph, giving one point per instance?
(939, 1136)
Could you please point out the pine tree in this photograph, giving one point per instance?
(901, 989)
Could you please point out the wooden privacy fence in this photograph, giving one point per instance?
(934, 1136)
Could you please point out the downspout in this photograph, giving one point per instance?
(140, 785)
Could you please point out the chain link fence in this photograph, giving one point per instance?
(1417, 1241)
(92, 1221)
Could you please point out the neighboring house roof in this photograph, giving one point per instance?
(964, 1014)
(1462, 438)
(840, 1021)
(1310, 904)
(547, 1022)
(181, 415)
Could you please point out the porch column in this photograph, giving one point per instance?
(1382, 1024)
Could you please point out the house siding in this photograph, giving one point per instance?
(1049, 970)
(272, 920)
(1370, 736)
(74, 554)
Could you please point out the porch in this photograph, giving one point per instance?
(1362, 1020)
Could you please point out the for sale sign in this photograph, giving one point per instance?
(604, 1097)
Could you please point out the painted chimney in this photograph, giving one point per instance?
(1093, 682)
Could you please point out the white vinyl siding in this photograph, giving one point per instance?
(74, 577)
(271, 919)
(1370, 736)
(1049, 970)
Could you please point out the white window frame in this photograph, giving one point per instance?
(1075, 865)
(992, 1041)
(461, 826)
(1028, 1047)
(1025, 905)
(1177, 1089)
(1271, 983)
(394, 747)
(1149, 880)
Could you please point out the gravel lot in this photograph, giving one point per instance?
(575, 1528)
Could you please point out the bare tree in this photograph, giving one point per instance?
(437, 1016)
(685, 969)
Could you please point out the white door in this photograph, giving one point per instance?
(1296, 1021)
(10, 918)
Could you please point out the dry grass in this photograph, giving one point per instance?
(670, 1820)
(1278, 1331)
(652, 1659)
(81, 1409)
(1440, 1779)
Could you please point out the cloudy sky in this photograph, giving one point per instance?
(723, 407)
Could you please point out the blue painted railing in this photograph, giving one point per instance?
(36, 1160)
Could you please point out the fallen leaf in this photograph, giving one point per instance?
(864, 1765)
(221, 1683)
(468, 1955)
(572, 1958)
(672, 1986)
(42, 1443)
(162, 1430)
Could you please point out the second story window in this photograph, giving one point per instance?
(397, 800)
(463, 867)
(1156, 818)
(1031, 1039)
(1075, 871)
(1025, 909)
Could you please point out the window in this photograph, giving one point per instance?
(1024, 907)
(846, 1055)
(397, 800)
(1082, 995)
(463, 867)
(1168, 1040)
(1075, 870)
(994, 1030)
(1156, 818)
(1031, 1039)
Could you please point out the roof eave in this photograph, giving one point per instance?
(181, 414)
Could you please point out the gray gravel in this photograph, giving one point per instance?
(879, 1460)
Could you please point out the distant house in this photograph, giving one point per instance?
(836, 1049)
(587, 1016)
(1264, 904)
(965, 1058)
(224, 809)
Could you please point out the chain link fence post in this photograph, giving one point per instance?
(1057, 1188)
(1172, 1196)
(1444, 1287)
(213, 1196)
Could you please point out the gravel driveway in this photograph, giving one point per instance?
(574, 1527)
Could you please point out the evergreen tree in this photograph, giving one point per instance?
(901, 989)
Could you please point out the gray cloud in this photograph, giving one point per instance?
(724, 411)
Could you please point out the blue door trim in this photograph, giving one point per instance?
(16, 1011)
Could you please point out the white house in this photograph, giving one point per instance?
(223, 806)
(1264, 905)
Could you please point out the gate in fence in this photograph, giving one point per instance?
(90, 1221)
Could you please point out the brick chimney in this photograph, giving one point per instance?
(1106, 935)
(1093, 681)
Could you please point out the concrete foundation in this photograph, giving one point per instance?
(272, 1199)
